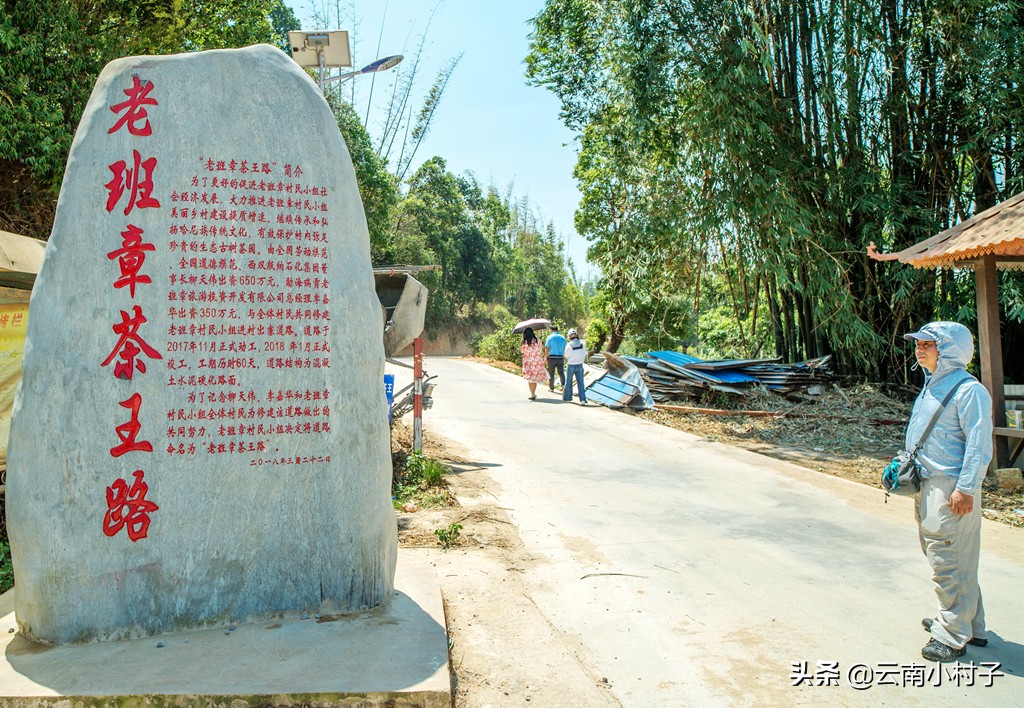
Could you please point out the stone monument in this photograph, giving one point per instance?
(200, 436)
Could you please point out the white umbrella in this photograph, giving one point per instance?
(535, 324)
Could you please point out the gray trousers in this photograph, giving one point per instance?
(952, 545)
(556, 364)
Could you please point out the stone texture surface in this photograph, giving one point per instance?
(255, 377)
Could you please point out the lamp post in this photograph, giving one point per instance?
(329, 49)
(382, 64)
(323, 49)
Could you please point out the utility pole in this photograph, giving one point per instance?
(417, 395)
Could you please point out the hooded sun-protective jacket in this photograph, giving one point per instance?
(960, 445)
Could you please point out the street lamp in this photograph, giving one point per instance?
(382, 64)
(323, 49)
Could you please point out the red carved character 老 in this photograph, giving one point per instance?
(134, 109)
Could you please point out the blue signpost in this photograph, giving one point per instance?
(389, 391)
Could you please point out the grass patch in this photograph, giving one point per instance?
(419, 480)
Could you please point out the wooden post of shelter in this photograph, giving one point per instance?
(990, 345)
(991, 240)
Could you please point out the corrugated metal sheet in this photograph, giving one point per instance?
(684, 361)
(673, 377)
(640, 362)
(729, 364)
(670, 375)
(788, 376)
(628, 372)
(611, 391)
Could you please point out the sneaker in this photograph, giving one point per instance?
(973, 641)
(935, 650)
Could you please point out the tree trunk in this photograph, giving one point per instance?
(773, 310)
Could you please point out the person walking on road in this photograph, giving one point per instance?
(954, 459)
(555, 346)
(575, 355)
(533, 362)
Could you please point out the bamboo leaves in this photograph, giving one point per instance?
(794, 132)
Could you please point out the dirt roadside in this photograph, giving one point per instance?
(491, 618)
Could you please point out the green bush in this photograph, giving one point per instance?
(502, 345)
(433, 473)
(596, 335)
(719, 335)
(6, 569)
(449, 536)
(418, 482)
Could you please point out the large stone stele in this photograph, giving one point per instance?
(200, 435)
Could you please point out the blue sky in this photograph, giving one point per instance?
(489, 122)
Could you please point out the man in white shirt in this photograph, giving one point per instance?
(575, 355)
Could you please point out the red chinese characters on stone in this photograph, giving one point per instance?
(131, 256)
(127, 432)
(134, 109)
(127, 507)
(138, 179)
(128, 331)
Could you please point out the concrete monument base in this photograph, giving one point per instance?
(396, 655)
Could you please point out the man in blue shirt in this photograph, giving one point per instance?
(555, 349)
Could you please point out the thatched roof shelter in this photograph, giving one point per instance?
(991, 240)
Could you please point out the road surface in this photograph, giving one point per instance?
(680, 571)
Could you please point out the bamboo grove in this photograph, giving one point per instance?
(750, 152)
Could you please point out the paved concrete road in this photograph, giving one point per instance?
(694, 573)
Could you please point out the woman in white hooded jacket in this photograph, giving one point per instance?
(954, 460)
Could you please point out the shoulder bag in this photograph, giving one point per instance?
(902, 476)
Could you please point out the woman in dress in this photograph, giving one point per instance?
(533, 361)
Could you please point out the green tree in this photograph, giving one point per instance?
(202, 25)
(645, 260)
(773, 141)
(377, 187)
(536, 279)
(434, 221)
(52, 52)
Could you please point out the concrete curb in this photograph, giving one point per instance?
(395, 655)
